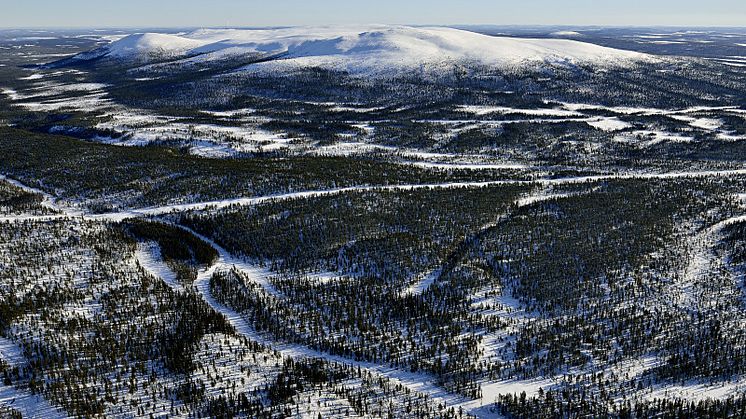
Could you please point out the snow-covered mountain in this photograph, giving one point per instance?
(363, 50)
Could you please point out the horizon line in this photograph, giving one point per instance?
(455, 25)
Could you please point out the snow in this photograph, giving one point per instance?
(30, 406)
(77, 96)
(152, 43)
(699, 267)
(666, 42)
(208, 140)
(149, 257)
(733, 61)
(609, 124)
(49, 201)
(227, 261)
(230, 114)
(53, 88)
(35, 76)
(531, 387)
(422, 283)
(371, 49)
(487, 110)
(350, 148)
(708, 124)
(468, 166)
(11, 93)
(225, 203)
(87, 103)
(27, 217)
(650, 138)
(630, 110)
(414, 381)
(700, 391)
(566, 33)
(700, 264)
(508, 308)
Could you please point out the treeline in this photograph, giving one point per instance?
(568, 404)
(175, 243)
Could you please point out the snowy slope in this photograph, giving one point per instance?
(367, 50)
(152, 44)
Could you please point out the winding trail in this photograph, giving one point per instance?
(224, 203)
(414, 381)
(226, 261)
(417, 382)
(48, 199)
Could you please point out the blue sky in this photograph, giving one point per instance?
(196, 13)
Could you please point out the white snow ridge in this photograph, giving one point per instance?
(368, 50)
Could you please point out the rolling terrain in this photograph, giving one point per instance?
(378, 221)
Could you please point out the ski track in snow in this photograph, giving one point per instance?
(30, 406)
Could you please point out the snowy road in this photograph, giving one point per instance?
(422, 383)
(149, 257)
(221, 204)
